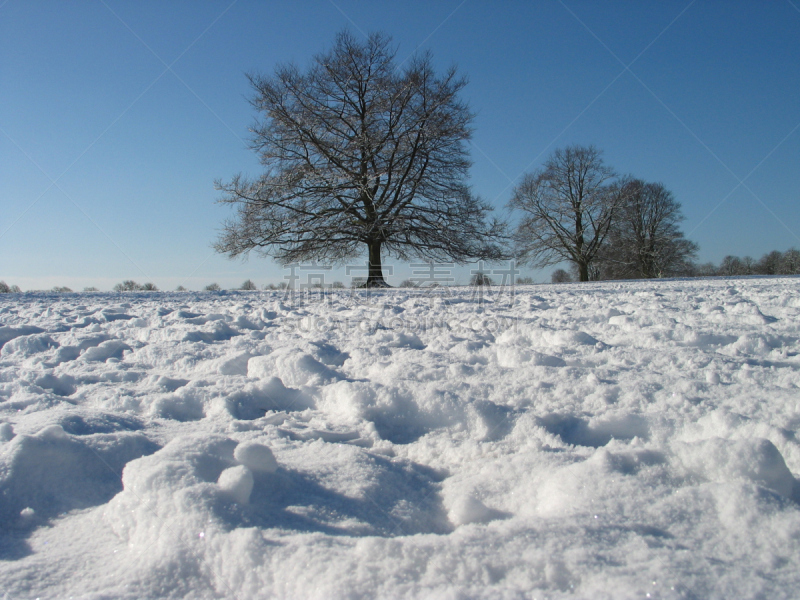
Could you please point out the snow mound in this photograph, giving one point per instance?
(28, 345)
(293, 367)
(394, 415)
(184, 406)
(9, 333)
(215, 331)
(512, 357)
(63, 385)
(189, 507)
(754, 460)
(597, 432)
(257, 399)
(467, 509)
(106, 350)
(6, 432)
(52, 471)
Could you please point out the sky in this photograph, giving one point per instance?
(116, 118)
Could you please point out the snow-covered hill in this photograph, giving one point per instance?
(615, 440)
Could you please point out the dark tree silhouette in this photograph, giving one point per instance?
(560, 276)
(129, 285)
(644, 240)
(567, 208)
(360, 154)
(480, 279)
(770, 263)
(790, 265)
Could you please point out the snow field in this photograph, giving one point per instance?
(610, 440)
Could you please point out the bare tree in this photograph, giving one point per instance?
(560, 276)
(770, 263)
(790, 265)
(360, 155)
(480, 279)
(703, 270)
(730, 265)
(645, 241)
(129, 285)
(748, 265)
(567, 207)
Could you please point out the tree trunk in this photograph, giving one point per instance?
(583, 272)
(375, 277)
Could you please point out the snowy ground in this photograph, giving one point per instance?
(616, 440)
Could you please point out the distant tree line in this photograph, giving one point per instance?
(772, 263)
(131, 286)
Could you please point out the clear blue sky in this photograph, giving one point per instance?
(117, 116)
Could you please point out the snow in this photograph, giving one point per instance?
(609, 440)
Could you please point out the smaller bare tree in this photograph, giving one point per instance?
(480, 279)
(730, 265)
(770, 263)
(568, 207)
(645, 241)
(790, 265)
(560, 276)
(129, 285)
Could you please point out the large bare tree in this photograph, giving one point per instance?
(361, 156)
(645, 240)
(567, 209)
